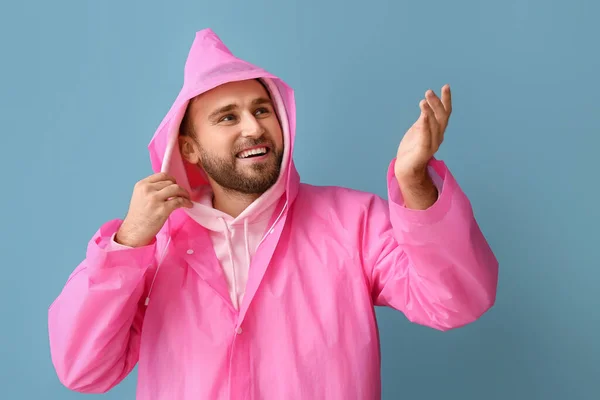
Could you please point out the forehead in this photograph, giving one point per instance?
(238, 93)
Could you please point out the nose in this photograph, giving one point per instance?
(251, 126)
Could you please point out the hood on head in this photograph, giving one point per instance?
(210, 64)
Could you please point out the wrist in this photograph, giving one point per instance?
(418, 190)
(125, 238)
(417, 177)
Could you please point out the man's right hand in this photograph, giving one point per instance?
(153, 200)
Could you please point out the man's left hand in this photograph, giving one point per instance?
(419, 145)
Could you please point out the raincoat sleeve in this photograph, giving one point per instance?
(434, 265)
(95, 323)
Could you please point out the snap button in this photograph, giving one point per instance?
(190, 251)
(239, 330)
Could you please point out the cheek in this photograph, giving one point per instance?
(277, 134)
(220, 145)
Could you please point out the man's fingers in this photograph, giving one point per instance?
(447, 98)
(427, 113)
(172, 191)
(177, 202)
(161, 176)
(430, 122)
(436, 105)
(160, 185)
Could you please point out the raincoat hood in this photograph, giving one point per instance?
(210, 64)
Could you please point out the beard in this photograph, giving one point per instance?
(254, 178)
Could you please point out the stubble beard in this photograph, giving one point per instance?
(255, 178)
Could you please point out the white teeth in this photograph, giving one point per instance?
(257, 151)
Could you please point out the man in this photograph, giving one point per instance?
(230, 279)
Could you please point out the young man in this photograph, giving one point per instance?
(230, 279)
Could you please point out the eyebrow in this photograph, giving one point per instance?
(231, 107)
(261, 100)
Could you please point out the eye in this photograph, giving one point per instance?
(261, 111)
(227, 118)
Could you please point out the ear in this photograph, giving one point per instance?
(187, 148)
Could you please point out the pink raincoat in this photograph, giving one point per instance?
(305, 327)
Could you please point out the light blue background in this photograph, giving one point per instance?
(84, 84)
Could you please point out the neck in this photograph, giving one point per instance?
(232, 203)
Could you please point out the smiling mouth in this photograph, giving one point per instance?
(252, 153)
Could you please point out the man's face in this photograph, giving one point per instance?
(236, 137)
